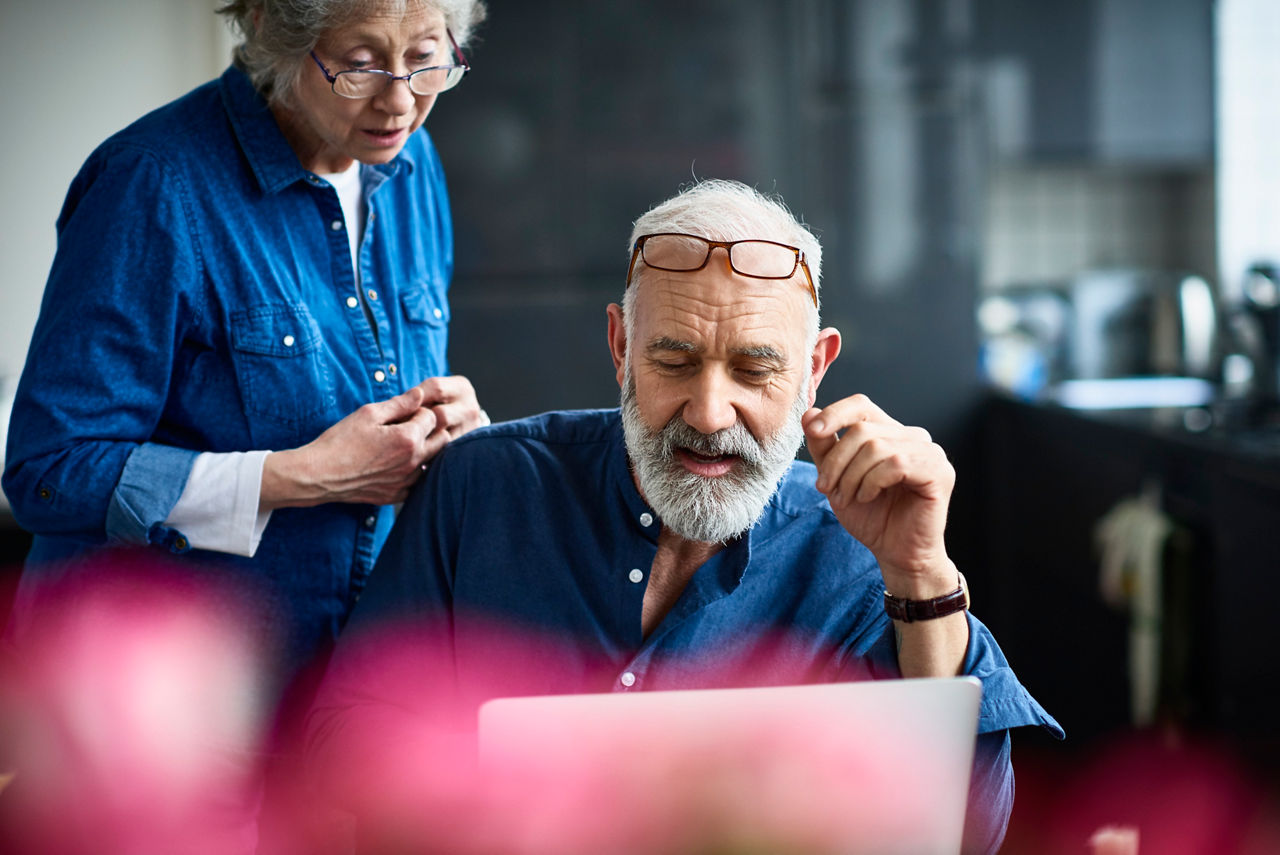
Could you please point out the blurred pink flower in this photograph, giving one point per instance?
(135, 716)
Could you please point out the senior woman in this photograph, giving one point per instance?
(240, 356)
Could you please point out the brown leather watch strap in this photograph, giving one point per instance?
(908, 611)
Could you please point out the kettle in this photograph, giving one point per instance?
(1133, 322)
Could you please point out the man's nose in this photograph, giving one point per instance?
(710, 406)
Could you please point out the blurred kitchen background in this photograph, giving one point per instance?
(1051, 233)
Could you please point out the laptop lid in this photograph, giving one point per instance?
(874, 766)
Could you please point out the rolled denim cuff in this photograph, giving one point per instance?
(153, 479)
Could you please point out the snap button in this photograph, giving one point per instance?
(373, 295)
(627, 679)
(46, 494)
(439, 314)
(379, 375)
(391, 369)
(370, 521)
(646, 519)
(336, 225)
(352, 302)
(288, 341)
(636, 575)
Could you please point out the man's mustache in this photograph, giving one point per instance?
(735, 440)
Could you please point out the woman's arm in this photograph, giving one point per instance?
(101, 360)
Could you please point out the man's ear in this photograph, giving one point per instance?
(617, 342)
(824, 353)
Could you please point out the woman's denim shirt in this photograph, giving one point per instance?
(202, 298)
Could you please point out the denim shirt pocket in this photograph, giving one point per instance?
(280, 364)
(426, 315)
(425, 305)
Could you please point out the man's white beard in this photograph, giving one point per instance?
(708, 509)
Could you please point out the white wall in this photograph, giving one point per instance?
(1248, 137)
(71, 73)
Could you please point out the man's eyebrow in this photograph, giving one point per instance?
(764, 352)
(671, 344)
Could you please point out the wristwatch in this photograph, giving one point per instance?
(908, 611)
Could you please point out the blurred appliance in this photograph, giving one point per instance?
(1256, 324)
(1137, 323)
(1024, 329)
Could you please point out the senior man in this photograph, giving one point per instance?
(676, 542)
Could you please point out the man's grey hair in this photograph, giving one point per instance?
(277, 35)
(720, 209)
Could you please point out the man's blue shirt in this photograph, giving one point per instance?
(203, 299)
(538, 525)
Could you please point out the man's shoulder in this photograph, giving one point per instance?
(558, 428)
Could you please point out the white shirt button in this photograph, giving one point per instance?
(627, 679)
(288, 341)
(373, 295)
(352, 302)
(636, 575)
(336, 225)
(439, 314)
(646, 519)
(379, 375)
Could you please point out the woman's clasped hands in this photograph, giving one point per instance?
(377, 453)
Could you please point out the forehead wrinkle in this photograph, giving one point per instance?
(712, 311)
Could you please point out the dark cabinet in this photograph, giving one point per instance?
(1048, 475)
(1127, 82)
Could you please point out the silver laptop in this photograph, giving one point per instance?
(867, 767)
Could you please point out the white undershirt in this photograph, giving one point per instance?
(218, 508)
(351, 197)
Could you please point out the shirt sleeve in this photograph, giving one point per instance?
(218, 508)
(1005, 704)
(116, 307)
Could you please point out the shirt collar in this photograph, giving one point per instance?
(271, 159)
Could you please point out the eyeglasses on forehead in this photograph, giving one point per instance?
(753, 257)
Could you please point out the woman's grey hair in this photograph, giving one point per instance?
(720, 209)
(277, 35)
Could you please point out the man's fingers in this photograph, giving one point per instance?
(848, 411)
(820, 444)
